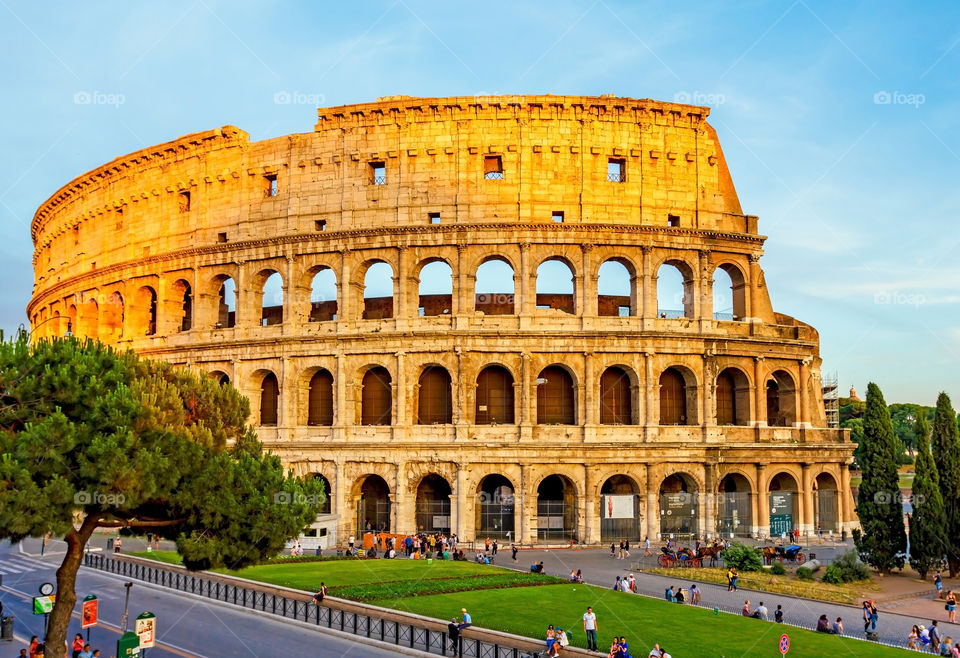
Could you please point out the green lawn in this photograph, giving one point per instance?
(682, 629)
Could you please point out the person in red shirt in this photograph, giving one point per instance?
(77, 646)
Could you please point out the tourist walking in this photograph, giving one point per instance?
(590, 628)
(951, 606)
(626, 548)
(646, 546)
(934, 636)
(938, 584)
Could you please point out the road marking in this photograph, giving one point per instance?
(172, 648)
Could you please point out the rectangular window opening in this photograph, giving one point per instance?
(623, 311)
(183, 201)
(221, 237)
(558, 216)
(493, 167)
(320, 224)
(616, 170)
(673, 220)
(378, 170)
(434, 217)
(270, 185)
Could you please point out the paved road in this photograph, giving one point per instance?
(186, 627)
(601, 569)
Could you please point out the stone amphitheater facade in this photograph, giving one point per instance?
(538, 417)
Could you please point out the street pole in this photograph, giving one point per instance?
(126, 606)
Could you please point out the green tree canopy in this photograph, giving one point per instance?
(946, 456)
(882, 540)
(928, 524)
(92, 438)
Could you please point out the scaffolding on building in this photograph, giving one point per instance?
(831, 399)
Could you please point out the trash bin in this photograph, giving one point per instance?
(109, 544)
(6, 629)
(812, 556)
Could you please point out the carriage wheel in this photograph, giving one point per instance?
(799, 557)
(664, 561)
(696, 562)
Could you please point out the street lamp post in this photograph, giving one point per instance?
(126, 607)
(23, 330)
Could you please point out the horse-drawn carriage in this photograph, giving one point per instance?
(793, 553)
(683, 557)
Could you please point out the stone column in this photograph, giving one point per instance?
(521, 515)
(288, 394)
(528, 396)
(344, 289)
(405, 298)
(759, 394)
(649, 285)
(591, 393)
(591, 534)
(243, 300)
(753, 296)
(652, 416)
(460, 304)
(803, 388)
(706, 287)
(296, 300)
(653, 506)
(459, 505)
(338, 504)
(763, 502)
(400, 393)
(587, 287)
(846, 504)
(807, 525)
(402, 511)
(459, 391)
(710, 515)
(340, 411)
(528, 283)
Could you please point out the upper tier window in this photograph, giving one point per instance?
(492, 167)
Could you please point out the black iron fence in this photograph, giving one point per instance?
(395, 632)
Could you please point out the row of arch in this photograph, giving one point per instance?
(624, 510)
(556, 397)
(618, 293)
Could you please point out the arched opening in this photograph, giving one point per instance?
(111, 318)
(433, 504)
(494, 404)
(616, 290)
(145, 312)
(320, 399)
(616, 407)
(378, 292)
(227, 308)
(183, 293)
(673, 398)
(435, 289)
(496, 506)
(221, 377)
(678, 506)
(271, 301)
(735, 509)
(675, 293)
(494, 288)
(781, 400)
(373, 508)
(269, 399)
(733, 397)
(619, 509)
(784, 504)
(328, 494)
(555, 286)
(556, 508)
(556, 403)
(434, 401)
(376, 399)
(88, 319)
(323, 296)
(72, 325)
(826, 504)
(729, 293)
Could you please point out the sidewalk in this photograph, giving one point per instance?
(601, 569)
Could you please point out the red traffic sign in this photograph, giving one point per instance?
(784, 644)
(88, 617)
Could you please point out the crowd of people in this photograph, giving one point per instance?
(78, 649)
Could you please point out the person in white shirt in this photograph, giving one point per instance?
(590, 629)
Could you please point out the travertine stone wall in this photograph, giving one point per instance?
(135, 253)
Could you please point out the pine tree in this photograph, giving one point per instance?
(881, 539)
(928, 525)
(946, 456)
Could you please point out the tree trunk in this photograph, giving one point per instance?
(66, 582)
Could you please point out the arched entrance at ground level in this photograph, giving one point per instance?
(373, 508)
(495, 507)
(619, 509)
(734, 508)
(556, 508)
(784, 504)
(678, 506)
(826, 504)
(327, 493)
(433, 504)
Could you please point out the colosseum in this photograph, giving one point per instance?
(539, 318)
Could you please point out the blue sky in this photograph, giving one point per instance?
(838, 121)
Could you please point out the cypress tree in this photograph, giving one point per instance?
(946, 456)
(928, 525)
(881, 539)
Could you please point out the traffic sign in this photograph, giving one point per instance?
(146, 628)
(784, 644)
(88, 617)
(43, 605)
